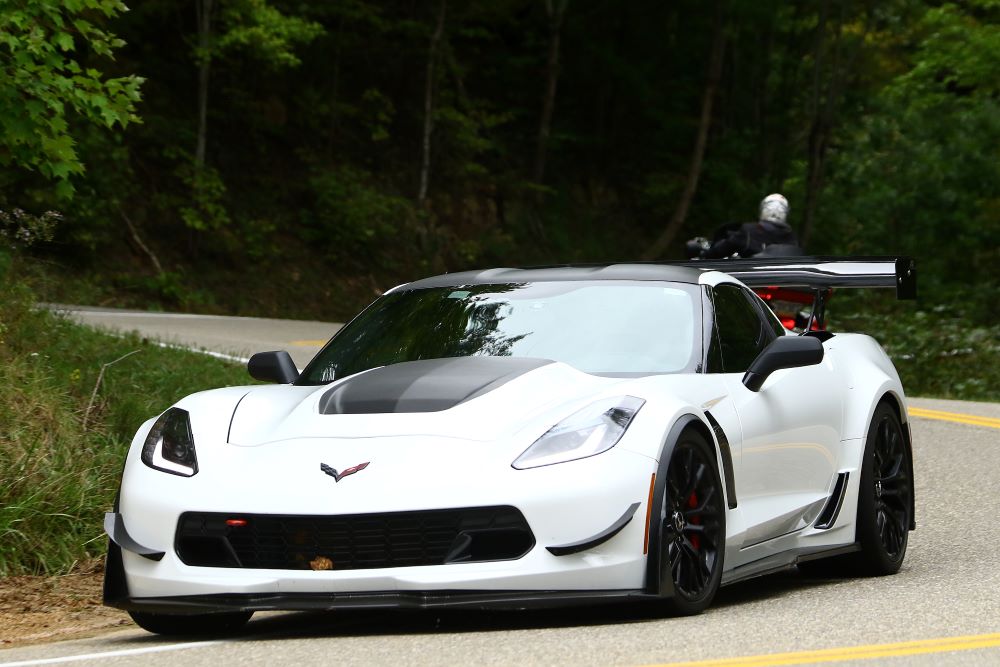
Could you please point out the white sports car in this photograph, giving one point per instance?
(527, 437)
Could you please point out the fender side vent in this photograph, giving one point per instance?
(828, 516)
(727, 460)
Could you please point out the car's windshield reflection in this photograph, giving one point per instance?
(629, 327)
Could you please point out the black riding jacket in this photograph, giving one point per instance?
(750, 239)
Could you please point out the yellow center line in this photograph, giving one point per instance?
(974, 420)
(308, 343)
(919, 647)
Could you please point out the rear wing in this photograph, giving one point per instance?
(819, 273)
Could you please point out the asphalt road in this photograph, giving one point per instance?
(943, 608)
(235, 337)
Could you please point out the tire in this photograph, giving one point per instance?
(191, 624)
(885, 497)
(694, 525)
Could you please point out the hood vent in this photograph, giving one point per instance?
(430, 385)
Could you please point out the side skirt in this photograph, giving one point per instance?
(782, 561)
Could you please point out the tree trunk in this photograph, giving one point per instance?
(203, 12)
(826, 102)
(556, 13)
(425, 162)
(666, 238)
(142, 246)
(335, 82)
(818, 136)
(818, 129)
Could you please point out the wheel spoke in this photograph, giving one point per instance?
(695, 480)
(891, 536)
(673, 489)
(694, 568)
(899, 517)
(894, 467)
(891, 529)
(705, 508)
(676, 564)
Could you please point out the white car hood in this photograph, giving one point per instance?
(530, 399)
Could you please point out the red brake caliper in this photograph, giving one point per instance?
(696, 520)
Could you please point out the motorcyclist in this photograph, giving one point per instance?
(751, 238)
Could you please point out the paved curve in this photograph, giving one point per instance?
(943, 608)
(236, 337)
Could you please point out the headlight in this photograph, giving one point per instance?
(592, 430)
(170, 445)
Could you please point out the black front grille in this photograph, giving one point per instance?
(353, 541)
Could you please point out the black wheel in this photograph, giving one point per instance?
(694, 525)
(885, 496)
(191, 624)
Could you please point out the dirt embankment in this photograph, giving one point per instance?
(43, 609)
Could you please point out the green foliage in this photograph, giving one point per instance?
(958, 55)
(378, 111)
(20, 229)
(49, 79)
(60, 453)
(920, 172)
(352, 219)
(315, 139)
(260, 29)
(942, 350)
(206, 210)
(467, 136)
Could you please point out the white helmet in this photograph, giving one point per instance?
(774, 208)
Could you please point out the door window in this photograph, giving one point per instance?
(742, 333)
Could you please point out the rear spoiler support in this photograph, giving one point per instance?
(817, 315)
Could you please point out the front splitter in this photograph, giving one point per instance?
(485, 600)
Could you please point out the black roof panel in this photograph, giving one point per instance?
(677, 274)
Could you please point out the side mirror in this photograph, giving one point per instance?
(784, 352)
(273, 367)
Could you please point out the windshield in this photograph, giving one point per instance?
(620, 327)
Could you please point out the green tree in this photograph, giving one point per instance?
(254, 27)
(49, 79)
(921, 172)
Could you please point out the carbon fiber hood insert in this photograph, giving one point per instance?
(429, 385)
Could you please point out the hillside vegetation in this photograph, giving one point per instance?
(287, 158)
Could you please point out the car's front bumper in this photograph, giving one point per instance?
(117, 594)
(588, 519)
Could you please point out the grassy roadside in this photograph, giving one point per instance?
(61, 443)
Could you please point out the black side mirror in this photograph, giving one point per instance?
(783, 352)
(273, 367)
